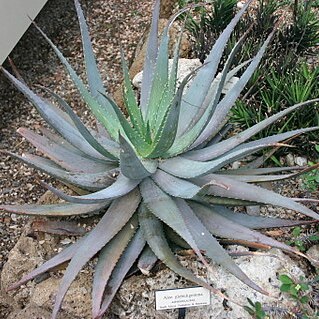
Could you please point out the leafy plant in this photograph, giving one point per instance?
(310, 180)
(283, 78)
(208, 24)
(300, 240)
(163, 165)
(255, 309)
(303, 33)
(302, 291)
(278, 91)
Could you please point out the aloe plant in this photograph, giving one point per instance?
(159, 177)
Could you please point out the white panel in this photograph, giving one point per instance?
(14, 21)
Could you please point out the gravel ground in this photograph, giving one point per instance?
(111, 23)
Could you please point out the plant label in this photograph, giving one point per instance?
(182, 298)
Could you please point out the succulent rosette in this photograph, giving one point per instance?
(160, 176)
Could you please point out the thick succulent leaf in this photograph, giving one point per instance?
(217, 200)
(225, 228)
(52, 115)
(156, 109)
(126, 129)
(199, 88)
(222, 186)
(146, 261)
(150, 60)
(103, 112)
(165, 136)
(101, 135)
(164, 81)
(102, 132)
(204, 113)
(68, 158)
(126, 261)
(15, 70)
(118, 214)
(260, 178)
(59, 259)
(153, 232)
(93, 75)
(107, 260)
(268, 178)
(186, 168)
(260, 171)
(131, 104)
(132, 166)
(111, 152)
(58, 227)
(164, 208)
(218, 137)
(172, 81)
(228, 101)
(175, 186)
(269, 140)
(257, 222)
(208, 243)
(57, 138)
(93, 181)
(59, 210)
(218, 149)
(224, 127)
(120, 187)
(174, 238)
(106, 142)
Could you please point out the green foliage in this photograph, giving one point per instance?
(159, 178)
(208, 23)
(255, 310)
(303, 33)
(310, 180)
(283, 78)
(303, 292)
(276, 91)
(302, 240)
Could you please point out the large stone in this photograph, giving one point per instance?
(23, 258)
(185, 66)
(31, 311)
(136, 299)
(36, 298)
(77, 302)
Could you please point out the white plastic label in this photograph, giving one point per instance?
(182, 298)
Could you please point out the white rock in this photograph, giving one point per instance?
(185, 66)
(240, 4)
(290, 159)
(313, 253)
(236, 165)
(301, 161)
(135, 298)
